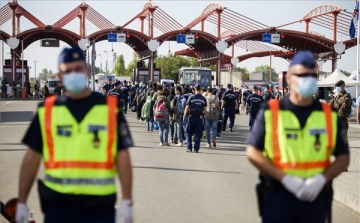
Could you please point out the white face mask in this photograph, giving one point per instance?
(338, 89)
(306, 86)
(75, 82)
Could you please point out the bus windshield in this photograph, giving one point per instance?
(205, 78)
(53, 83)
(190, 77)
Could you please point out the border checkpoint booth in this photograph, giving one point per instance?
(22, 79)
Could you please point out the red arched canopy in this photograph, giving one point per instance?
(36, 34)
(206, 41)
(138, 40)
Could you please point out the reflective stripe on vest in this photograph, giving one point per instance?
(80, 181)
(74, 164)
(301, 164)
(52, 164)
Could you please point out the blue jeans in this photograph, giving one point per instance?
(164, 129)
(213, 124)
(178, 130)
(172, 129)
(150, 123)
(194, 126)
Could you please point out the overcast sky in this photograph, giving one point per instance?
(270, 13)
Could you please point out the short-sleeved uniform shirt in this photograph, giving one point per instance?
(257, 136)
(125, 90)
(107, 87)
(229, 97)
(254, 102)
(116, 93)
(197, 102)
(79, 108)
(246, 94)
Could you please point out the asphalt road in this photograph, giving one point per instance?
(170, 185)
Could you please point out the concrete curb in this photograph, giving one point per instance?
(347, 200)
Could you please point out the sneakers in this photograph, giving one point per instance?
(208, 146)
(161, 144)
(189, 150)
(166, 144)
(214, 143)
(179, 144)
(229, 130)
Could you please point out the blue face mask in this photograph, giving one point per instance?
(75, 82)
(306, 86)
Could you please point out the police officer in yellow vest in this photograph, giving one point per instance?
(83, 141)
(291, 144)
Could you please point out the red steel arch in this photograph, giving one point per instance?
(322, 10)
(209, 10)
(138, 40)
(295, 40)
(32, 35)
(206, 43)
(4, 35)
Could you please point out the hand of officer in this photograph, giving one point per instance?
(312, 188)
(293, 184)
(185, 120)
(22, 213)
(124, 213)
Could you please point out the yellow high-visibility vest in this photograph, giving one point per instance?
(79, 157)
(301, 152)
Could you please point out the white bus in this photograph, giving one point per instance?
(195, 75)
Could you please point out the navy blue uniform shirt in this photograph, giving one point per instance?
(133, 90)
(254, 101)
(116, 93)
(125, 90)
(229, 97)
(197, 102)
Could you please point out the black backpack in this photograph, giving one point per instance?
(268, 96)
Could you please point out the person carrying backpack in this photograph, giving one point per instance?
(147, 113)
(162, 112)
(267, 95)
(211, 116)
(140, 101)
(178, 105)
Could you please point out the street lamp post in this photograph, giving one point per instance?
(100, 61)
(107, 58)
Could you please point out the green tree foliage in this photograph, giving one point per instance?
(132, 65)
(120, 69)
(244, 71)
(345, 73)
(170, 65)
(43, 75)
(266, 70)
(209, 65)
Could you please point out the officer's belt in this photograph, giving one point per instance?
(195, 113)
(80, 181)
(254, 110)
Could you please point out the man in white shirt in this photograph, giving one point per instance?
(97, 85)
